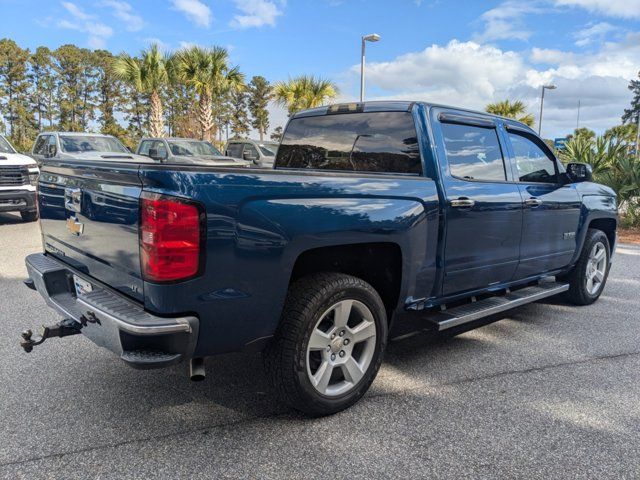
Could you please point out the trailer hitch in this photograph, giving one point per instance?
(61, 329)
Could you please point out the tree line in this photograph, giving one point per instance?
(194, 92)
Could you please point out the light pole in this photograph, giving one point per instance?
(372, 37)
(544, 87)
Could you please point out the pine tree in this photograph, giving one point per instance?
(631, 114)
(239, 118)
(276, 135)
(260, 93)
(76, 87)
(109, 94)
(14, 89)
(43, 86)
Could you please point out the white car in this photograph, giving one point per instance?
(82, 146)
(18, 179)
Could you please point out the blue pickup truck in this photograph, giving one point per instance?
(376, 215)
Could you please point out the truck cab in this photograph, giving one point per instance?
(376, 217)
(18, 179)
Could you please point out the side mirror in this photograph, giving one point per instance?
(579, 172)
(50, 151)
(154, 154)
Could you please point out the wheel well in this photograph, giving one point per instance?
(608, 226)
(379, 264)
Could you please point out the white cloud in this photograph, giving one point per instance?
(612, 8)
(470, 74)
(124, 12)
(505, 21)
(549, 55)
(75, 11)
(87, 23)
(255, 13)
(195, 10)
(593, 32)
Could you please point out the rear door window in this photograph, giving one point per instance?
(381, 142)
(473, 152)
(234, 150)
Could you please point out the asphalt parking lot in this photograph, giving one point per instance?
(549, 391)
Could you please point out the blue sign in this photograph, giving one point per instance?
(559, 143)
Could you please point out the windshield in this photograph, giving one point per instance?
(269, 150)
(192, 148)
(87, 143)
(5, 146)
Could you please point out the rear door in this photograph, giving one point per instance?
(483, 207)
(551, 209)
(89, 218)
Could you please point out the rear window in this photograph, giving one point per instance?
(384, 142)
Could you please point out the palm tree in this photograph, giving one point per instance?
(305, 91)
(148, 75)
(516, 110)
(207, 71)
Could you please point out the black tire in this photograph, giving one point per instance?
(29, 216)
(286, 355)
(577, 277)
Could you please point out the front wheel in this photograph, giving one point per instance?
(588, 277)
(329, 344)
(29, 216)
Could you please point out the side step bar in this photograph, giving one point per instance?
(492, 305)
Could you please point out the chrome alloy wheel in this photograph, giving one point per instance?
(341, 347)
(596, 268)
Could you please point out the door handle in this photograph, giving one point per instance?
(533, 202)
(462, 202)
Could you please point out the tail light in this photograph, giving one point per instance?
(171, 238)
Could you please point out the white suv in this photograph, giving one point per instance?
(18, 180)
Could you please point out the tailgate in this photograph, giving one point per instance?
(89, 218)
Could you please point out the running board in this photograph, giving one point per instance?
(492, 305)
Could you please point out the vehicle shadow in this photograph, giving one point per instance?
(10, 218)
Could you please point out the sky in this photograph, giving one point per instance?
(461, 52)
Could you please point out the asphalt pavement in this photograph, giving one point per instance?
(548, 391)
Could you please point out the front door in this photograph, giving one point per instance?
(551, 209)
(483, 207)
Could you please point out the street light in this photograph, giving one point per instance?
(544, 87)
(372, 37)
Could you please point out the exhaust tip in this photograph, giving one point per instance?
(196, 369)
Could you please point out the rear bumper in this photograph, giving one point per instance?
(17, 200)
(111, 320)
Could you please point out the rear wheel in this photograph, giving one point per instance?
(29, 216)
(588, 277)
(329, 345)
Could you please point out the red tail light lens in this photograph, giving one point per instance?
(170, 238)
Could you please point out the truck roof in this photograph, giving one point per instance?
(389, 106)
(78, 134)
(172, 139)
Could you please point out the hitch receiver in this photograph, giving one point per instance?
(61, 329)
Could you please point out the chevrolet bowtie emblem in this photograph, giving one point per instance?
(75, 226)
